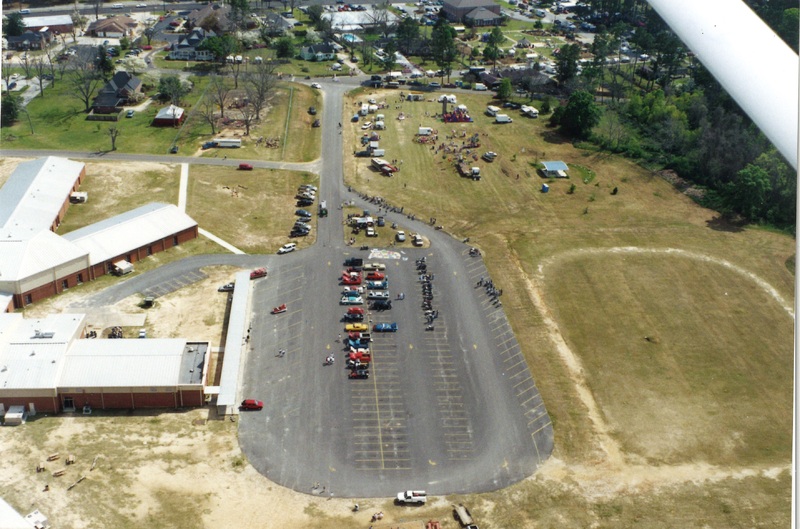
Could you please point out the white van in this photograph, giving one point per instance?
(364, 109)
(480, 87)
(116, 6)
(503, 118)
(492, 110)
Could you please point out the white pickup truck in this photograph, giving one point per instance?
(412, 496)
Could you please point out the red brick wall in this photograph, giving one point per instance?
(42, 404)
(52, 288)
(191, 398)
(155, 400)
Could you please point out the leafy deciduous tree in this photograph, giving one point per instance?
(580, 115)
(84, 80)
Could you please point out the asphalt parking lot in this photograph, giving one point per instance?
(453, 409)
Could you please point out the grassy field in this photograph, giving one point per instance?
(288, 120)
(297, 67)
(253, 210)
(59, 123)
(700, 394)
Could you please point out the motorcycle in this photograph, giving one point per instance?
(329, 360)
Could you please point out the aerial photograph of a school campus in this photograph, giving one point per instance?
(425, 265)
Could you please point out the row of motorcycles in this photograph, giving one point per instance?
(427, 293)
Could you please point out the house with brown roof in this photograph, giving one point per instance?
(118, 92)
(476, 12)
(113, 27)
(211, 17)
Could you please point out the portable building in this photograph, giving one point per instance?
(425, 131)
(228, 142)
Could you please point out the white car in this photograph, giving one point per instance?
(316, 85)
(400, 236)
(367, 125)
(412, 496)
(141, 5)
(346, 300)
(286, 248)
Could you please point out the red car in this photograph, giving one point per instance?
(251, 404)
(355, 310)
(351, 279)
(245, 167)
(375, 276)
(258, 272)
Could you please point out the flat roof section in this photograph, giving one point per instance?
(192, 363)
(149, 362)
(32, 351)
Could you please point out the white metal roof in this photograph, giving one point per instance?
(133, 229)
(11, 519)
(34, 193)
(123, 363)
(170, 112)
(24, 257)
(32, 350)
(50, 20)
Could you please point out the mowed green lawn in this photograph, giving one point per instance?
(520, 228)
(60, 123)
(253, 210)
(688, 360)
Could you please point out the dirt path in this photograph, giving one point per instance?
(614, 473)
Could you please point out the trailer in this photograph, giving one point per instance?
(229, 143)
(469, 172)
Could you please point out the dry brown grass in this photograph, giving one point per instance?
(596, 305)
(253, 210)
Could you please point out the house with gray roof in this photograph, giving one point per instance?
(186, 49)
(477, 12)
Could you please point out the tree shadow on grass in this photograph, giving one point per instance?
(58, 116)
(721, 223)
(555, 137)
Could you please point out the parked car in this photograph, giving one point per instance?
(434, 85)
(347, 300)
(355, 310)
(353, 317)
(303, 213)
(356, 327)
(371, 232)
(378, 294)
(227, 287)
(400, 236)
(288, 247)
(412, 496)
(251, 404)
(245, 167)
(312, 111)
(353, 261)
(316, 85)
(374, 266)
(385, 327)
(375, 276)
(258, 272)
(359, 373)
(129, 114)
(298, 233)
(382, 304)
(489, 156)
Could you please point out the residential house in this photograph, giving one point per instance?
(186, 48)
(276, 25)
(113, 27)
(214, 17)
(169, 116)
(30, 40)
(118, 92)
(318, 52)
(458, 11)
